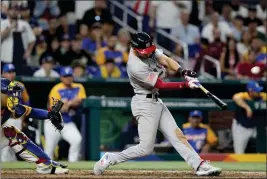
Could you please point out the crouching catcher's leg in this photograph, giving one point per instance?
(30, 152)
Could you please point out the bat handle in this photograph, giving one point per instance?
(202, 88)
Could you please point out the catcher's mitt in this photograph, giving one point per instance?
(54, 114)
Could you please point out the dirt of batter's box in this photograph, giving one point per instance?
(127, 174)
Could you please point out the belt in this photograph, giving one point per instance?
(153, 96)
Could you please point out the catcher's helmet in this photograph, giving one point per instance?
(143, 43)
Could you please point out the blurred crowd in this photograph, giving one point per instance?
(39, 37)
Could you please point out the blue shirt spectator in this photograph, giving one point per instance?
(95, 41)
(186, 32)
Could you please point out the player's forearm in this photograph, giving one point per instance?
(169, 63)
(170, 85)
(38, 114)
(30, 47)
(240, 102)
(75, 102)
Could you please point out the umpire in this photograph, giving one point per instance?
(244, 124)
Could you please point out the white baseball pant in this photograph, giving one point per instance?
(70, 133)
(151, 116)
(241, 136)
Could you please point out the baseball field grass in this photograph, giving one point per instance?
(137, 170)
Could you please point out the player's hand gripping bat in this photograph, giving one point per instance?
(214, 98)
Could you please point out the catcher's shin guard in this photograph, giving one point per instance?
(24, 147)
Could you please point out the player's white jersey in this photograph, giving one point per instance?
(143, 74)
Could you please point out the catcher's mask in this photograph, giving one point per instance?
(14, 90)
(143, 44)
(14, 93)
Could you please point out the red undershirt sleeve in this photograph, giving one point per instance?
(170, 85)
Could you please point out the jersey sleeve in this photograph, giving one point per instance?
(82, 93)
(144, 75)
(30, 34)
(242, 95)
(211, 137)
(53, 94)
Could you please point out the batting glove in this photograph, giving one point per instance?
(192, 82)
(190, 73)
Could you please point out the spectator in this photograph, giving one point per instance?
(252, 29)
(41, 46)
(77, 53)
(79, 70)
(243, 126)
(51, 32)
(238, 27)
(108, 70)
(63, 54)
(83, 31)
(110, 52)
(216, 47)
(250, 69)
(99, 13)
(72, 95)
(204, 45)
(258, 46)
(214, 50)
(252, 16)
(244, 45)
(95, 41)
(186, 32)
(26, 15)
(46, 69)
(108, 28)
(55, 45)
(124, 39)
(227, 14)
(261, 10)
(229, 59)
(39, 49)
(215, 23)
(64, 28)
(200, 136)
(209, 10)
(164, 20)
(17, 40)
(44, 10)
(238, 9)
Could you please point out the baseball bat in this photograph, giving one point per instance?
(214, 98)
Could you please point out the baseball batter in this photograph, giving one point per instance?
(147, 66)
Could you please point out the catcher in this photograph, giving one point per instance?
(18, 141)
